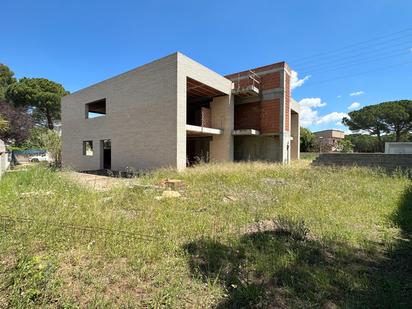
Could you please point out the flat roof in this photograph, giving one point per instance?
(328, 130)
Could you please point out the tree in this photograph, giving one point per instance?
(363, 142)
(387, 117)
(4, 124)
(368, 119)
(19, 123)
(307, 140)
(40, 96)
(397, 117)
(6, 79)
(44, 138)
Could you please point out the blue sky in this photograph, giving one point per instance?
(337, 48)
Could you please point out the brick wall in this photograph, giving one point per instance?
(257, 70)
(206, 117)
(269, 116)
(264, 115)
(270, 81)
(247, 116)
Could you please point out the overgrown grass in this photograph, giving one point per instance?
(309, 155)
(242, 235)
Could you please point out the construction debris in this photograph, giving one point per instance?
(173, 184)
(229, 198)
(168, 194)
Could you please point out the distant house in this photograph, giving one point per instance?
(328, 140)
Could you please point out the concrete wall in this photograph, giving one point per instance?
(2, 147)
(257, 148)
(221, 146)
(141, 121)
(145, 117)
(398, 148)
(3, 158)
(295, 132)
(285, 134)
(386, 161)
(4, 164)
(222, 112)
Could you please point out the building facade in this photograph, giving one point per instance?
(174, 112)
(328, 140)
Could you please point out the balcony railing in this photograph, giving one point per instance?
(247, 85)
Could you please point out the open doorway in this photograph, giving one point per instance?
(106, 146)
(197, 150)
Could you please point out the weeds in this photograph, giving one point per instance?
(295, 228)
(30, 282)
(251, 235)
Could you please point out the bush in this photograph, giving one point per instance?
(50, 140)
(307, 140)
(345, 145)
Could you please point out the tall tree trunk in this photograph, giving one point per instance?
(380, 141)
(397, 136)
(49, 121)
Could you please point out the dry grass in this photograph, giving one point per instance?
(242, 235)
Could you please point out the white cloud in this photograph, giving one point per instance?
(356, 93)
(312, 102)
(353, 106)
(410, 50)
(310, 116)
(331, 117)
(339, 96)
(295, 82)
(307, 116)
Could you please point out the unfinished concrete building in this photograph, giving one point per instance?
(174, 112)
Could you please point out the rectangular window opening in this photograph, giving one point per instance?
(96, 109)
(88, 148)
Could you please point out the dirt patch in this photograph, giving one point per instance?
(281, 226)
(86, 278)
(98, 182)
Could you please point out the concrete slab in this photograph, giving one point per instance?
(208, 131)
(246, 132)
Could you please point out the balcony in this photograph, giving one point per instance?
(247, 85)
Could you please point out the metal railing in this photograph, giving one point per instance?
(253, 80)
